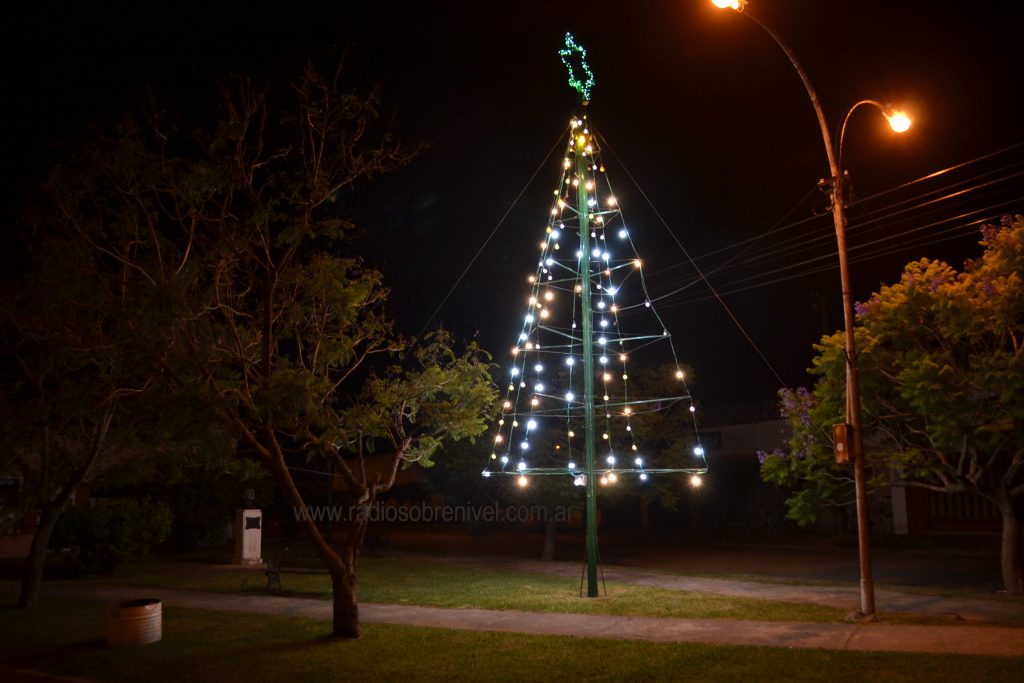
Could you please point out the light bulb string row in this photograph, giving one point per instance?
(600, 281)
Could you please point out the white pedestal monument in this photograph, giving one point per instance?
(249, 537)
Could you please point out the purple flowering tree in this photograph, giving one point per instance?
(942, 386)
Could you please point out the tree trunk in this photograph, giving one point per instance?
(548, 553)
(346, 609)
(1010, 553)
(342, 568)
(32, 577)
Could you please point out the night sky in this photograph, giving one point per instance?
(697, 105)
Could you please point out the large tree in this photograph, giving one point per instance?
(78, 372)
(942, 381)
(272, 326)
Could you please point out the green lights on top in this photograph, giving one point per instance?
(574, 55)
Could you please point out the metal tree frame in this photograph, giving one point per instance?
(587, 275)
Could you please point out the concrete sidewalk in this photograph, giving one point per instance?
(971, 640)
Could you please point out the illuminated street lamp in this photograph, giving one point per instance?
(899, 122)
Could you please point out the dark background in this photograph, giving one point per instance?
(697, 105)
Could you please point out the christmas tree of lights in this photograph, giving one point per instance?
(569, 409)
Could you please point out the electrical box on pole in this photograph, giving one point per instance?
(841, 438)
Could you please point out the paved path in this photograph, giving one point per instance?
(973, 640)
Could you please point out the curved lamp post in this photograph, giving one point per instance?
(899, 123)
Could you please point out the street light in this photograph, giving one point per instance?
(899, 122)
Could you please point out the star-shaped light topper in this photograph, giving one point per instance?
(574, 56)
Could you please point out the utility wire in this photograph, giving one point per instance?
(543, 163)
(700, 272)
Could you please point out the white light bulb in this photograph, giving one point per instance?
(604, 360)
(579, 253)
(550, 261)
(572, 466)
(538, 367)
(486, 473)
(532, 424)
(600, 304)
(602, 340)
(538, 387)
(569, 396)
(606, 256)
(596, 253)
(524, 445)
(514, 371)
(529, 317)
(570, 361)
(693, 409)
(643, 476)
(523, 336)
(639, 461)
(612, 290)
(610, 459)
(623, 234)
(604, 323)
(504, 460)
(698, 451)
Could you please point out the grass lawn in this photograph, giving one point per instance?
(67, 637)
(448, 584)
(444, 584)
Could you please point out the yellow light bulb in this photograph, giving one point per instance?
(626, 411)
(612, 478)
(535, 402)
(581, 140)
(571, 433)
(544, 313)
(636, 263)
(523, 481)
(549, 295)
(898, 121)
(611, 201)
(679, 374)
(497, 439)
(607, 377)
(726, 4)
(590, 184)
(508, 404)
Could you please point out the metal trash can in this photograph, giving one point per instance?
(134, 622)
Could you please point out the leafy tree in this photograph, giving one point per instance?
(942, 382)
(269, 325)
(75, 376)
(807, 466)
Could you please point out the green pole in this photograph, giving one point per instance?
(582, 164)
